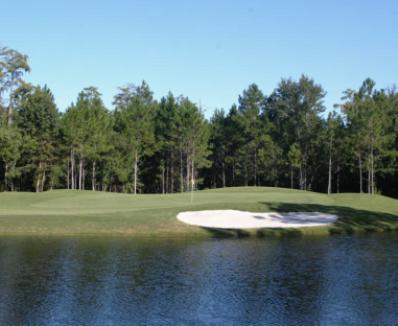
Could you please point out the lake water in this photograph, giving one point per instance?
(339, 280)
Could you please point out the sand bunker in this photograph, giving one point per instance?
(232, 219)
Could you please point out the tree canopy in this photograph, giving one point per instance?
(286, 138)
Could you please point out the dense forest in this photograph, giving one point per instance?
(287, 139)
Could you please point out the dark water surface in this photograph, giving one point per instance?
(340, 280)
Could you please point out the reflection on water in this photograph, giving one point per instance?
(339, 280)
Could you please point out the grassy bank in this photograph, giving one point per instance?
(85, 212)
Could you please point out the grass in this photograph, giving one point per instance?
(63, 212)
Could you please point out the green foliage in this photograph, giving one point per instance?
(193, 132)
(38, 119)
(284, 138)
(10, 144)
(12, 67)
(294, 155)
(369, 125)
(10, 152)
(87, 124)
(294, 109)
(135, 127)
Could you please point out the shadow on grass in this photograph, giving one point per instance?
(228, 233)
(349, 221)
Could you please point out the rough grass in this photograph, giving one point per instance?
(64, 212)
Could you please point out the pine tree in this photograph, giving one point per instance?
(294, 109)
(193, 134)
(135, 126)
(369, 123)
(38, 119)
(165, 130)
(249, 109)
(13, 65)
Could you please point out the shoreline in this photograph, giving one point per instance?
(206, 233)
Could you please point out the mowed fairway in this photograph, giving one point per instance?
(66, 212)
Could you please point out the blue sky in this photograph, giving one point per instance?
(207, 50)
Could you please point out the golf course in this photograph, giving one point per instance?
(67, 212)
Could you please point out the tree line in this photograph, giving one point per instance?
(286, 138)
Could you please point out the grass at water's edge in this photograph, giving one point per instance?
(200, 233)
(71, 213)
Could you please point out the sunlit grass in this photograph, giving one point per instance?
(85, 212)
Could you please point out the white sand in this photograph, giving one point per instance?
(232, 219)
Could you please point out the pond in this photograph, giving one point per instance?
(338, 280)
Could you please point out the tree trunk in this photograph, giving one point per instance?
(188, 175)
(369, 174)
(81, 174)
(246, 181)
(5, 176)
(305, 168)
(330, 174)
(68, 176)
(171, 178)
(135, 171)
(10, 115)
(369, 178)
(305, 176)
(301, 177)
(93, 181)
(163, 179)
(223, 175)
(192, 175)
(192, 181)
(360, 173)
(181, 174)
(84, 177)
(255, 167)
(12, 185)
(291, 177)
(37, 187)
(43, 180)
(38, 179)
(372, 168)
(72, 160)
(233, 173)
(167, 187)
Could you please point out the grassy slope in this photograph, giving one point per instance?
(74, 212)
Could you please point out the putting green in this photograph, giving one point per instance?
(66, 212)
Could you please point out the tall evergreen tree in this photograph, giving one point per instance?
(368, 119)
(219, 148)
(10, 152)
(134, 123)
(294, 108)
(165, 129)
(12, 67)
(38, 119)
(193, 134)
(249, 109)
